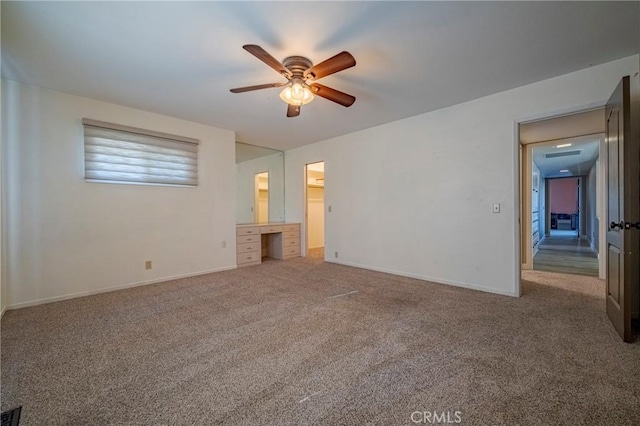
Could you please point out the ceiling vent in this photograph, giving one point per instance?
(562, 154)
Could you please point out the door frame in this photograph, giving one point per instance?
(526, 261)
(522, 183)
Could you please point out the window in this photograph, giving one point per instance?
(121, 154)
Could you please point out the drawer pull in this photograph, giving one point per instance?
(249, 248)
(249, 257)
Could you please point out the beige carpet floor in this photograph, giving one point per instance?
(307, 342)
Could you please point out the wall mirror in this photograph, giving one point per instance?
(259, 184)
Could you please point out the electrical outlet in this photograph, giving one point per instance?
(336, 254)
(224, 244)
(147, 264)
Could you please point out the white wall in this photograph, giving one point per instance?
(64, 236)
(245, 187)
(414, 197)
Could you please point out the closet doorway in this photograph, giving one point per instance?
(261, 202)
(314, 179)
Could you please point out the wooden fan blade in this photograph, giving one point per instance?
(265, 57)
(339, 62)
(257, 87)
(333, 95)
(293, 110)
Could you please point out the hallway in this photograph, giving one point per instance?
(567, 255)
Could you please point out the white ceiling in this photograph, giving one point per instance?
(181, 58)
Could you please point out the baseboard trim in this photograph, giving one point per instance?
(2, 312)
(425, 278)
(114, 288)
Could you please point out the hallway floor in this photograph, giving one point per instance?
(569, 255)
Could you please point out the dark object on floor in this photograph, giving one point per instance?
(11, 417)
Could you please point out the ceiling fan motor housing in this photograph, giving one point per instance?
(297, 65)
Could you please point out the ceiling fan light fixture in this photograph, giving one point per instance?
(296, 93)
(301, 74)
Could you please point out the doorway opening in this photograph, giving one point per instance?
(564, 206)
(617, 190)
(562, 220)
(261, 202)
(314, 181)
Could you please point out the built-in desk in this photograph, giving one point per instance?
(276, 240)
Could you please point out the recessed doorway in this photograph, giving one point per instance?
(314, 180)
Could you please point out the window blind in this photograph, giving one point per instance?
(122, 154)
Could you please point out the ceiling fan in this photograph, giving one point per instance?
(301, 75)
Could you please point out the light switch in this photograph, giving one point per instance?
(329, 209)
(496, 207)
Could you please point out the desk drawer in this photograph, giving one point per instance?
(248, 230)
(295, 228)
(290, 234)
(253, 258)
(248, 239)
(291, 252)
(291, 242)
(248, 248)
(270, 229)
